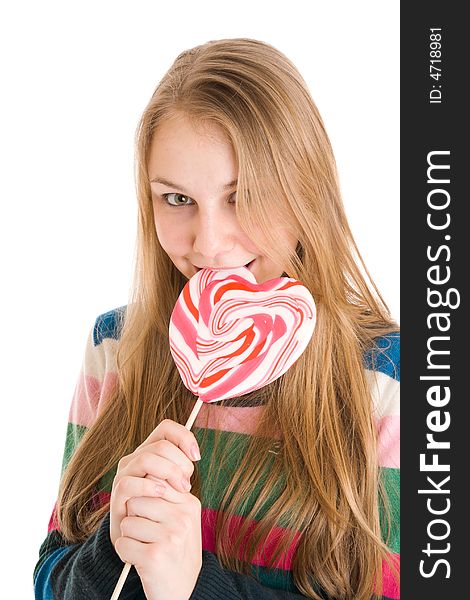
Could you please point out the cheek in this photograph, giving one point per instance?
(284, 235)
(172, 233)
(248, 240)
(249, 245)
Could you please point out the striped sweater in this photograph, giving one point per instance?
(91, 569)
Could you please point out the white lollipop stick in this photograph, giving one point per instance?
(194, 413)
(127, 567)
(121, 581)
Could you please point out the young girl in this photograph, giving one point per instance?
(290, 491)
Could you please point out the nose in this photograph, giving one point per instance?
(214, 235)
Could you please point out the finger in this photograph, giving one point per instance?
(129, 550)
(178, 435)
(157, 510)
(140, 529)
(168, 492)
(168, 450)
(142, 555)
(147, 463)
(128, 486)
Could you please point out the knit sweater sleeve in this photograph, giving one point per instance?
(215, 582)
(89, 569)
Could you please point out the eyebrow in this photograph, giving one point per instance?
(169, 183)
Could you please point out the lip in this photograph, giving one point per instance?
(247, 265)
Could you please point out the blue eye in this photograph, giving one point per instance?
(167, 199)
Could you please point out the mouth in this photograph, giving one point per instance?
(247, 266)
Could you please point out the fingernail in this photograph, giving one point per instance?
(159, 490)
(186, 484)
(195, 452)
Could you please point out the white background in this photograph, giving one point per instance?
(75, 78)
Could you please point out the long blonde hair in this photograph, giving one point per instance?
(322, 407)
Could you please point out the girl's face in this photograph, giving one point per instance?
(193, 177)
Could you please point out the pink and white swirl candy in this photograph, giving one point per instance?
(230, 335)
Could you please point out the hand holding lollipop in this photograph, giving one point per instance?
(230, 335)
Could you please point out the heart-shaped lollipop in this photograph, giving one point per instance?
(230, 335)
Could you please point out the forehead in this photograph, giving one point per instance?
(180, 132)
(181, 120)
